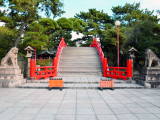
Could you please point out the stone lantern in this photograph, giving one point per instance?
(132, 50)
(29, 54)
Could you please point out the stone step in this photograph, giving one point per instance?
(81, 86)
(79, 68)
(79, 75)
(79, 57)
(79, 64)
(79, 61)
(79, 71)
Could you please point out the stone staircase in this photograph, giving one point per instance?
(79, 61)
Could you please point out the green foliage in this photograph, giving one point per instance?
(96, 23)
(7, 37)
(142, 36)
(44, 62)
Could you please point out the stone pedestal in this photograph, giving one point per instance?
(150, 77)
(11, 77)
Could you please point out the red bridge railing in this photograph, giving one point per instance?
(113, 72)
(49, 71)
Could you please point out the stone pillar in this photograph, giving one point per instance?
(29, 54)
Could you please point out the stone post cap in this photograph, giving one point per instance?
(29, 48)
(132, 49)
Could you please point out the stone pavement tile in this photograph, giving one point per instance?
(152, 100)
(13, 100)
(5, 104)
(69, 98)
(97, 101)
(158, 115)
(54, 101)
(84, 106)
(147, 117)
(36, 105)
(85, 111)
(86, 117)
(83, 101)
(52, 105)
(46, 111)
(106, 117)
(68, 101)
(96, 98)
(12, 111)
(66, 111)
(68, 105)
(121, 111)
(6, 116)
(2, 109)
(146, 97)
(24, 117)
(44, 117)
(83, 98)
(103, 111)
(30, 111)
(153, 110)
(125, 101)
(132, 105)
(106, 97)
(20, 105)
(112, 101)
(56, 98)
(39, 101)
(138, 110)
(31, 97)
(139, 100)
(116, 105)
(99, 105)
(156, 104)
(65, 117)
(147, 105)
(127, 117)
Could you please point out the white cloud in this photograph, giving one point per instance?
(75, 36)
(2, 23)
(149, 4)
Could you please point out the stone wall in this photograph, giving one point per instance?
(22, 65)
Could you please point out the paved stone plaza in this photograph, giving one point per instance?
(79, 104)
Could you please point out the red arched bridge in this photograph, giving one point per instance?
(80, 61)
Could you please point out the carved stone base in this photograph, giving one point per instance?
(150, 74)
(11, 77)
(153, 84)
(150, 77)
(11, 83)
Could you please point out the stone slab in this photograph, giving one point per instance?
(11, 83)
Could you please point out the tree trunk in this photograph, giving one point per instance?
(137, 65)
(20, 33)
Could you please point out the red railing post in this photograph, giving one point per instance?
(32, 68)
(55, 65)
(129, 68)
(104, 66)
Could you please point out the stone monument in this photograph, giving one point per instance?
(10, 73)
(150, 74)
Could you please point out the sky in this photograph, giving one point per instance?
(71, 7)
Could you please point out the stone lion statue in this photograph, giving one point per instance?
(151, 57)
(11, 58)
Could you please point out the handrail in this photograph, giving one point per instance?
(99, 49)
(59, 49)
(127, 74)
(36, 74)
